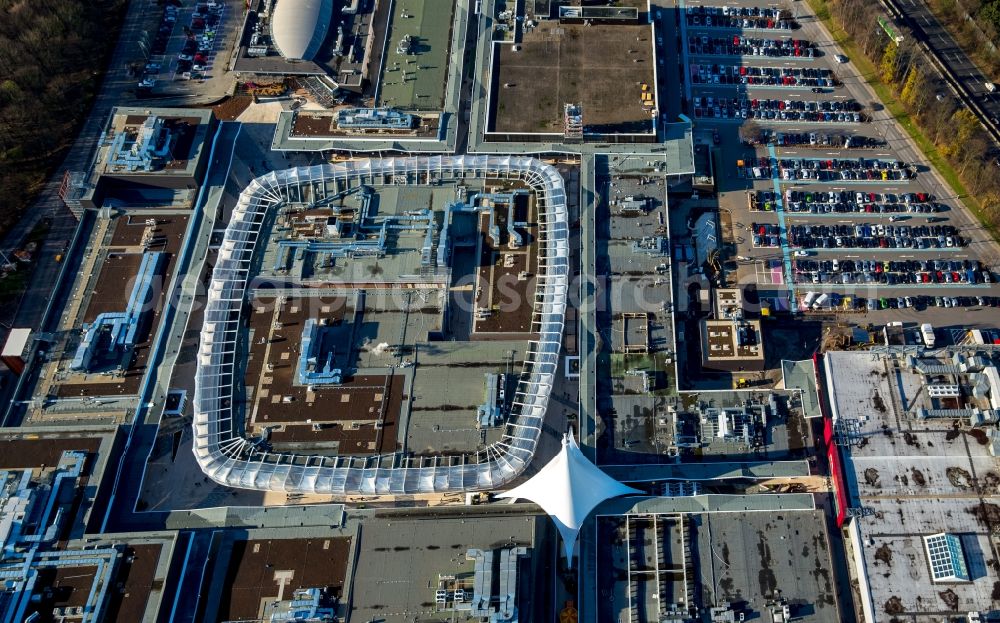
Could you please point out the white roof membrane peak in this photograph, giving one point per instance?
(568, 488)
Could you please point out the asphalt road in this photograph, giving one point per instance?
(927, 28)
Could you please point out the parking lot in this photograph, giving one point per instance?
(190, 51)
(827, 200)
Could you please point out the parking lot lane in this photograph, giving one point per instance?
(782, 228)
(930, 224)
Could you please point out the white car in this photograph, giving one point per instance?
(801, 253)
(840, 58)
(147, 83)
(199, 67)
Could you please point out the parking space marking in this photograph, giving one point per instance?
(775, 268)
(847, 182)
(852, 217)
(682, 8)
(877, 250)
(782, 229)
(769, 273)
(210, 55)
(854, 287)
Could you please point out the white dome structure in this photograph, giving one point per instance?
(298, 27)
(568, 488)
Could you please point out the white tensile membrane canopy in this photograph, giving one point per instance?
(568, 488)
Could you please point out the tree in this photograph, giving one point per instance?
(911, 87)
(990, 14)
(887, 68)
(750, 132)
(964, 124)
(972, 153)
(50, 51)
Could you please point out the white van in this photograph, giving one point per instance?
(927, 333)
